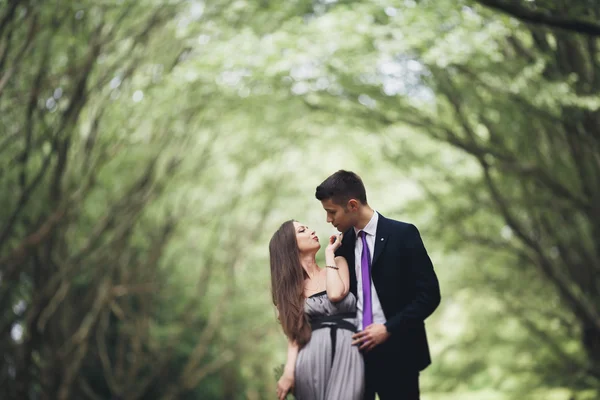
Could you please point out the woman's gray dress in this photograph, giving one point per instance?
(320, 373)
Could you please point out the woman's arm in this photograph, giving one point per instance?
(338, 278)
(286, 382)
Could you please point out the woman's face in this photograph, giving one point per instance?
(307, 239)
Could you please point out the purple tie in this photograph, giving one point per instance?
(365, 263)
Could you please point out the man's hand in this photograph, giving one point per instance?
(373, 335)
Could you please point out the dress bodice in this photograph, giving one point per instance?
(319, 305)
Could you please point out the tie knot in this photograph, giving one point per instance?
(362, 234)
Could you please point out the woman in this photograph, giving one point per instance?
(317, 314)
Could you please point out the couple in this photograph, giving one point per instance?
(355, 327)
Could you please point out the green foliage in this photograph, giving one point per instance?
(148, 150)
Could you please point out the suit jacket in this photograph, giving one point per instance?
(407, 288)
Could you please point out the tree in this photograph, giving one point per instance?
(557, 14)
(511, 110)
(100, 166)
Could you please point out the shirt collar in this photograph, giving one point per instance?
(371, 227)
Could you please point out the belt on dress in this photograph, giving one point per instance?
(333, 322)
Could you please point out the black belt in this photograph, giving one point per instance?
(334, 322)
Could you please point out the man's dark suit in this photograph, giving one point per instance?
(408, 291)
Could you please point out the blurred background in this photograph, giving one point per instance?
(149, 149)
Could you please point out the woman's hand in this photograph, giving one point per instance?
(335, 241)
(284, 386)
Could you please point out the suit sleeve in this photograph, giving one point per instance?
(427, 288)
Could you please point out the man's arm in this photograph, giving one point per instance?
(426, 284)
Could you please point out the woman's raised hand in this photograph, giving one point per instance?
(335, 241)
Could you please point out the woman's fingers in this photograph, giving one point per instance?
(282, 392)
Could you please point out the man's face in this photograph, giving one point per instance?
(340, 217)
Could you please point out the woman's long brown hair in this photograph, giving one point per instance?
(287, 283)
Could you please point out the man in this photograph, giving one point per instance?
(402, 289)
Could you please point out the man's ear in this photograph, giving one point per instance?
(353, 205)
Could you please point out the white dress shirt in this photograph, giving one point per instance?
(370, 232)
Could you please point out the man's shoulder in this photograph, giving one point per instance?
(406, 233)
(400, 226)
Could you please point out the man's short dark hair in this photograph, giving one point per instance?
(341, 187)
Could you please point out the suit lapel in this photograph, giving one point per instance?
(381, 238)
(351, 237)
(349, 241)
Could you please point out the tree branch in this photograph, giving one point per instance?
(15, 62)
(572, 296)
(540, 18)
